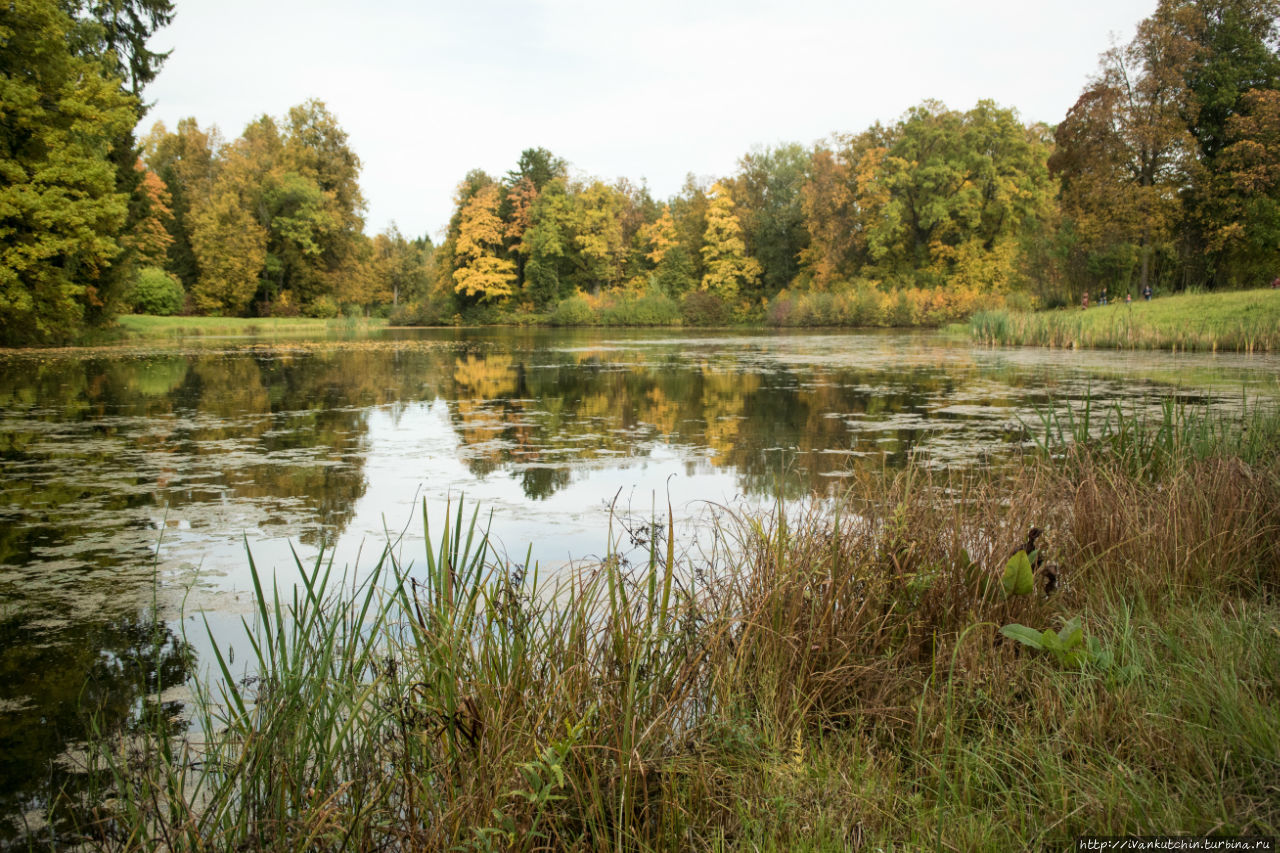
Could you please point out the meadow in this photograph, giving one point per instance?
(1240, 321)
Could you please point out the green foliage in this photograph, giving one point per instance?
(60, 211)
(184, 160)
(1070, 648)
(1247, 321)
(768, 195)
(433, 311)
(322, 307)
(1018, 578)
(1067, 646)
(652, 308)
(156, 292)
(675, 272)
(574, 311)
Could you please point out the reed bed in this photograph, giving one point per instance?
(1246, 322)
(829, 678)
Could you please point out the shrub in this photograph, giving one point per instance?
(435, 311)
(651, 309)
(322, 307)
(701, 308)
(156, 292)
(573, 311)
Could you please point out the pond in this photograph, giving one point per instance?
(133, 480)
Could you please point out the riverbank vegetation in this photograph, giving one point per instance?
(1164, 173)
(1245, 321)
(136, 328)
(874, 673)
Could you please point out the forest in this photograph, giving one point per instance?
(1165, 172)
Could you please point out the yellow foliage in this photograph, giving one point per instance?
(487, 378)
(660, 236)
(482, 274)
(486, 277)
(480, 228)
(727, 266)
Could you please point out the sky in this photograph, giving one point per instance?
(651, 91)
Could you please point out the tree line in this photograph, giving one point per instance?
(1166, 172)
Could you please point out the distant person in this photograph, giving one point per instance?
(1084, 301)
(1275, 283)
(1146, 292)
(1128, 299)
(1102, 299)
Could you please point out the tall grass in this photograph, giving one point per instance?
(828, 677)
(1247, 321)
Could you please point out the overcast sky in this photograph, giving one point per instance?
(646, 90)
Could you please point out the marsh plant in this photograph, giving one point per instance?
(835, 678)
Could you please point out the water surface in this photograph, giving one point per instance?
(134, 479)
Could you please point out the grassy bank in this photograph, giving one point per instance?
(1242, 321)
(142, 327)
(837, 679)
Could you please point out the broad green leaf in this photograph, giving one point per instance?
(1023, 634)
(1017, 578)
(1072, 634)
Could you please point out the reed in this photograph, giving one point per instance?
(825, 676)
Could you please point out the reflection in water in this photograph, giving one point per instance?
(55, 683)
(121, 468)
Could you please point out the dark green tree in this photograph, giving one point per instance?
(770, 203)
(60, 209)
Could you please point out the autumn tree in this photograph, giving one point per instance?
(689, 210)
(185, 161)
(228, 239)
(1124, 151)
(1233, 51)
(150, 239)
(1242, 211)
(401, 268)
(728, 269)
(827, 205)
(316, 192)
(597, 236)
(481, 273)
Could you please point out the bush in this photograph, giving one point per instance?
(322, 308)
(573, 311)
(701, 308)
(652, 309)
(156, 292)
(429, 312)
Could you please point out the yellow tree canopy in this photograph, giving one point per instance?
(481, 273)
(723, 251)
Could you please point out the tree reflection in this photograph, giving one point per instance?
(56, 687)
(772, 428)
